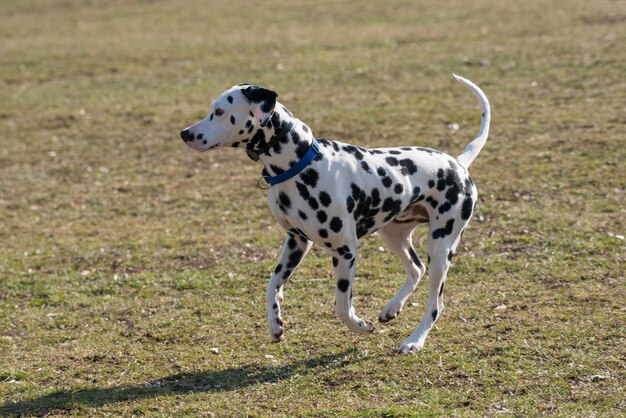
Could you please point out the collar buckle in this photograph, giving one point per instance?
(262, 183)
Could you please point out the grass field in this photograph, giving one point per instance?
(133, 269)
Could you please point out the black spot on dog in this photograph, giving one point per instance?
(416, 193)
(441, 289)
(466, 208)
(431, 183)
(230, 99)
(445, 207)
(325, 199)
(365, 166)
(409, 165)
(323, 233)
(278, 268)
(336, 224)
(351, 265)
(286, 275)
(313, 203)
(295, 138)
(328, 245)
(241, 132)
(433, 202)
(343, 285)
(335, 261)
(310, 177)
(440, 173)
(398, 188)
(321, 216)
(343, 250)
(232, 119)
(387, 182)
(294, 258)
(305, 128)
(415, 258)
(393, 161)
(291, 243)
(392, 206)
(303, 190)
(259, 137)
(354, 151)
(381, 172)
(450, 255)
(375, 197)
(302, 215)
(350, 204)
(394, 152)
(445, 231)
(275, 306)
(435, 312)
(301, 149)
(284, 199)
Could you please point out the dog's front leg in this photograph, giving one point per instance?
(294, 250)
(344, 263)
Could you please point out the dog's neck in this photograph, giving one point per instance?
(288, 150)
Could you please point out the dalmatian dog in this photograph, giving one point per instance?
(334, 194)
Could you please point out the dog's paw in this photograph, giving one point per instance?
(410, 348)
(365, 325)
(276, 330)
(390, 311)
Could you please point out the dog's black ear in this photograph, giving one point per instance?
(262, 102)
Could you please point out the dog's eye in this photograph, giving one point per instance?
(219, 112)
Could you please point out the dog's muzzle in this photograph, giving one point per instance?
(186, 135)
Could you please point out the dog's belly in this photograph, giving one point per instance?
(415, 213)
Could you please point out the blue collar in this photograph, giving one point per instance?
(313, 151)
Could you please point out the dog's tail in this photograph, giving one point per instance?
(473, 148)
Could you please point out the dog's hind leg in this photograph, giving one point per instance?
(397, 238)
(344, 263)
(294, 250)
(441, 245)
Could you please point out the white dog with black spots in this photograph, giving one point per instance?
(335, 194)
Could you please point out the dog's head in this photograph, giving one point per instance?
(233, 116)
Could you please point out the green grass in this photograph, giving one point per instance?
(126, 257)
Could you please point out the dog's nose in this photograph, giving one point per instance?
(186, 135)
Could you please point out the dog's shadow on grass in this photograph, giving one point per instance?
(179, 383)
